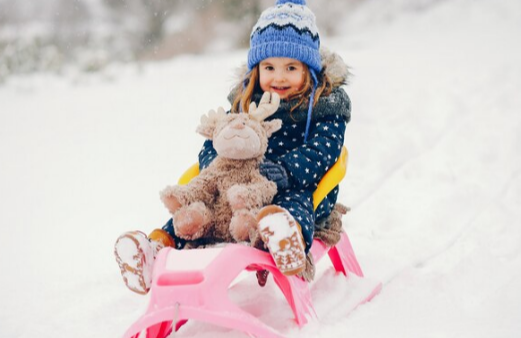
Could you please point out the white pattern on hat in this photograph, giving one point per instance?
(288, 14)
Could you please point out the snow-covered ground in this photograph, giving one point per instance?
(434, 182)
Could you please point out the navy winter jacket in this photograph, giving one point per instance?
(305, 163)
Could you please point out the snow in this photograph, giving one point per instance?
(434, 182)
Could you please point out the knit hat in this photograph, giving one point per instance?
(288, 30)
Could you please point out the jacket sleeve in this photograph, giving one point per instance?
(206, 155)
(308, 163)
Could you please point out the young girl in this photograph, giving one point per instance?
(284, 58)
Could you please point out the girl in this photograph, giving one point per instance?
(284, 58)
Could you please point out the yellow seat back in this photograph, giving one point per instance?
(331, 179)
(189, 174)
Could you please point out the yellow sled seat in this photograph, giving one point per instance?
(331, 179)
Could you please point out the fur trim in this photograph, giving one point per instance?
(335, 67)
(331, 229)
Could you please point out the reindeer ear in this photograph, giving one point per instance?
(272, 126)
(209, 121)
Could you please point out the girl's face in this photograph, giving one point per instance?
(283, 76)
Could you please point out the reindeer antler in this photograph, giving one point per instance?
(268, 105)
(213, 116)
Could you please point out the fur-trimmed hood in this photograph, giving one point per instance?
(335, 67)
(337, 103)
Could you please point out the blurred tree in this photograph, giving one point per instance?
(47, 34)
(244, 14)
(330, 13)
(71, 25)
(157, 12)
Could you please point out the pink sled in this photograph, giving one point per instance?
(193, 284)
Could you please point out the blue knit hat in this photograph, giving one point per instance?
(288, 30)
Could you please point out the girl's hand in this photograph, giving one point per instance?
(275, 173)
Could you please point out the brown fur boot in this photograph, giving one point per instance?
(161, 236)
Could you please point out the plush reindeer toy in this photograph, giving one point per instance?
(220, 205)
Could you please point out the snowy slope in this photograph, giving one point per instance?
(434, 181)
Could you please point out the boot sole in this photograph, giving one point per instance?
(131, 266)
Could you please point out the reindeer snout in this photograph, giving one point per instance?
(238, 124)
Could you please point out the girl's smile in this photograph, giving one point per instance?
(283, 76)
(280, 90)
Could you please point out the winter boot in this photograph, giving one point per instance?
(283, 237)
(135, 254)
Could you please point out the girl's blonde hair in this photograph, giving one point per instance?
(244, 93)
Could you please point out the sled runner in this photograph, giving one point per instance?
(193, 284)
